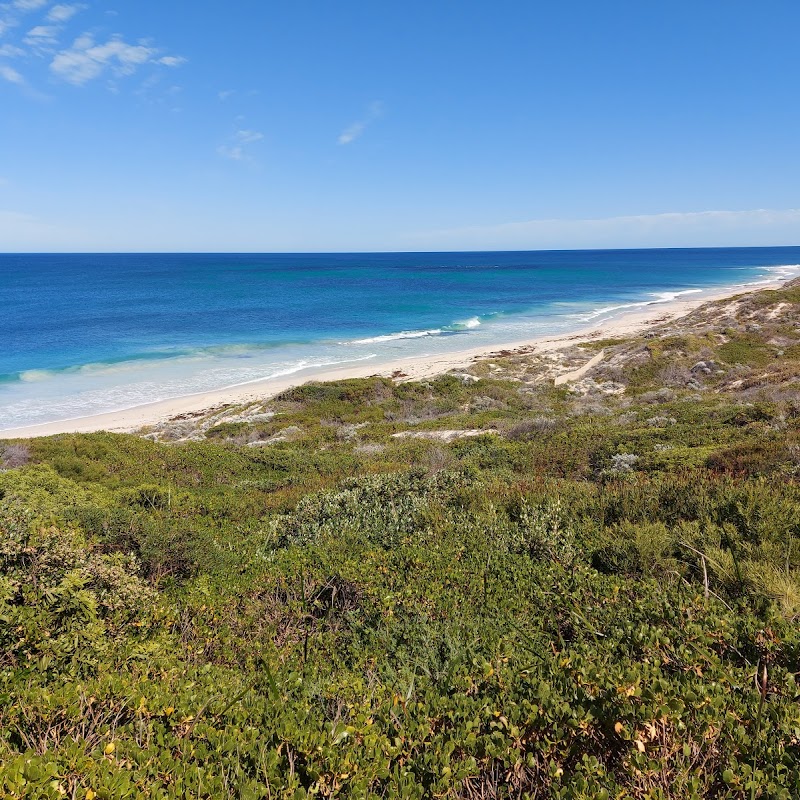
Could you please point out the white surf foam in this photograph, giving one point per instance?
(465, 325)
(460, 325)
(657, 298)
(668, 297)
(299, 366)
(390, 337)
(783, 272)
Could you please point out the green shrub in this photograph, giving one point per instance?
(61, 600)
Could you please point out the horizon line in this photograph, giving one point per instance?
(387, 252)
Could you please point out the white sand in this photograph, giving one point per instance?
(133, 419)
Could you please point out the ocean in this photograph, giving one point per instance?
(85, 334)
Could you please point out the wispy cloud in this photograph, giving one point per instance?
(86, 60)
(29, 5)
(236, 149)
(42, 32)
(246, 137)
(42, 37)
(673, 229)
(63, 12)
(171, 61)
(11, 51)
(357, 128)
(83, 61)
(226, 94)
(40, 40)
(233, 152)
(11, 75)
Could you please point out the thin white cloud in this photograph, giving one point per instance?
(246, 137)
(225, 94)
(357, 128)
(41, 36)
(63, 12)
(86, 60)
(171, 61)
(29, 5)
(11, 75)
(237, 147)
(11, 51)
(43, 31)
(234, 153)
(351, 133)
(674, 229)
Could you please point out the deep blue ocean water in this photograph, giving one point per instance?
(82, 334)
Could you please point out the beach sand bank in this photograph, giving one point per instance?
(416, 368)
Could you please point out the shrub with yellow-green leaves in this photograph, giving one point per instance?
(62, 600)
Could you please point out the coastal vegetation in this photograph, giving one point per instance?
(483, 585)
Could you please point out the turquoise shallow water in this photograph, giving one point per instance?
(83, 334)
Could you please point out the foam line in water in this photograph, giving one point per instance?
(667, 297)
(390, 337)
(455, 327)
(599, 312)
(299, 366)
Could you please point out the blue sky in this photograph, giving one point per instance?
(428, 124)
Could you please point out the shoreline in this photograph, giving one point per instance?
(137, 417)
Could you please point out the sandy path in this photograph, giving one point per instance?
(576, 374)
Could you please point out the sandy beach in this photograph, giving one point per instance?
(141, 416)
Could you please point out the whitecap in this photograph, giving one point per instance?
(464, 325)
